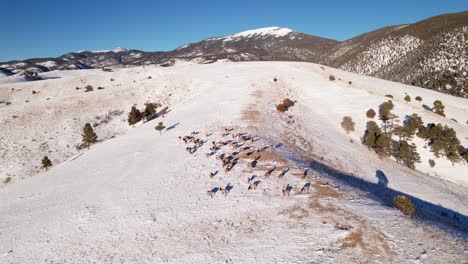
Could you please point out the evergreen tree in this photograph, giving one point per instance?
(406, 153)
(375, 139)
(134, 116)
(410, 126)
(438, 108)
(407, 98)
(46, 162)
(150, 110)
(160, 127)
(347, 124)
(89, 137)
(451, 144)
(387, 117)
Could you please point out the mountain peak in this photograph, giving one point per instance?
(266, 31)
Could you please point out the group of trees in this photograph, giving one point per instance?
(135, 115)
(442, 140)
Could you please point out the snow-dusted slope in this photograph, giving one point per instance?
(141, 198)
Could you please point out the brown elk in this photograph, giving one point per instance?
(306, 187)
(268, 173)
(223, 191)
(210, 193)
(283, 173)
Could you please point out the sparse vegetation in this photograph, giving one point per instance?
(432, 163)
(347, 124)
(439, 108)
(331, 78)
(89, 88)
(89, 137)
(407, 98)
(46, 162)
(281, 108)
(285, 105)
(134, 116)
(404, 204)
(160, 127)
(150, 110)
(288, 102)
(350, 82)
(370, 113)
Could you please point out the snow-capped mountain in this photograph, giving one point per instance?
(429, 53)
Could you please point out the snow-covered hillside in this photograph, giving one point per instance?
(139, 197)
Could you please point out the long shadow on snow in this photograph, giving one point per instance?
(424, 209)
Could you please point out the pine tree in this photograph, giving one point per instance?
(451, 144)
(134, 116)
(160, 127)
(150, 110)
(386, 115)
(410, 126)
(375, 139)
(46, 162)
(439, 108)
(89, 137)
(407, 98)
(347, 124)
(406, 153)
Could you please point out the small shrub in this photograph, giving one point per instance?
(160, 127)
(347, 124)
(134, 116)
(404, 204)
(418, 98)
(407, 98)
(439, 108)
(89, 137)
(88, 88)
(389, 96)
(33, 92)
(149, 77)
(100, 88)
(370, 113)
(331, 77)
(275, 80)
(7, 180)
(46, 162)
(432, 163)
(281, 108)
(288, 102)
(350, 82)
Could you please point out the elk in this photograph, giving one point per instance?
(210, 193)
(223, 191)
(306, 187)
(287, 190)
(281, 175)
(268, 173)
(250, 179)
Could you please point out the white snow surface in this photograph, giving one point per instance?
(139, 197)
(115, 50)
(48, 64)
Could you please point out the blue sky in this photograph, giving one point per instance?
(49, 28)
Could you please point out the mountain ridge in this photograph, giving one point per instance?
(428, 53)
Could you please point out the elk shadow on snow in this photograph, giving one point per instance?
(425, 210)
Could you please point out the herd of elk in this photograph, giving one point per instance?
(238, 143)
